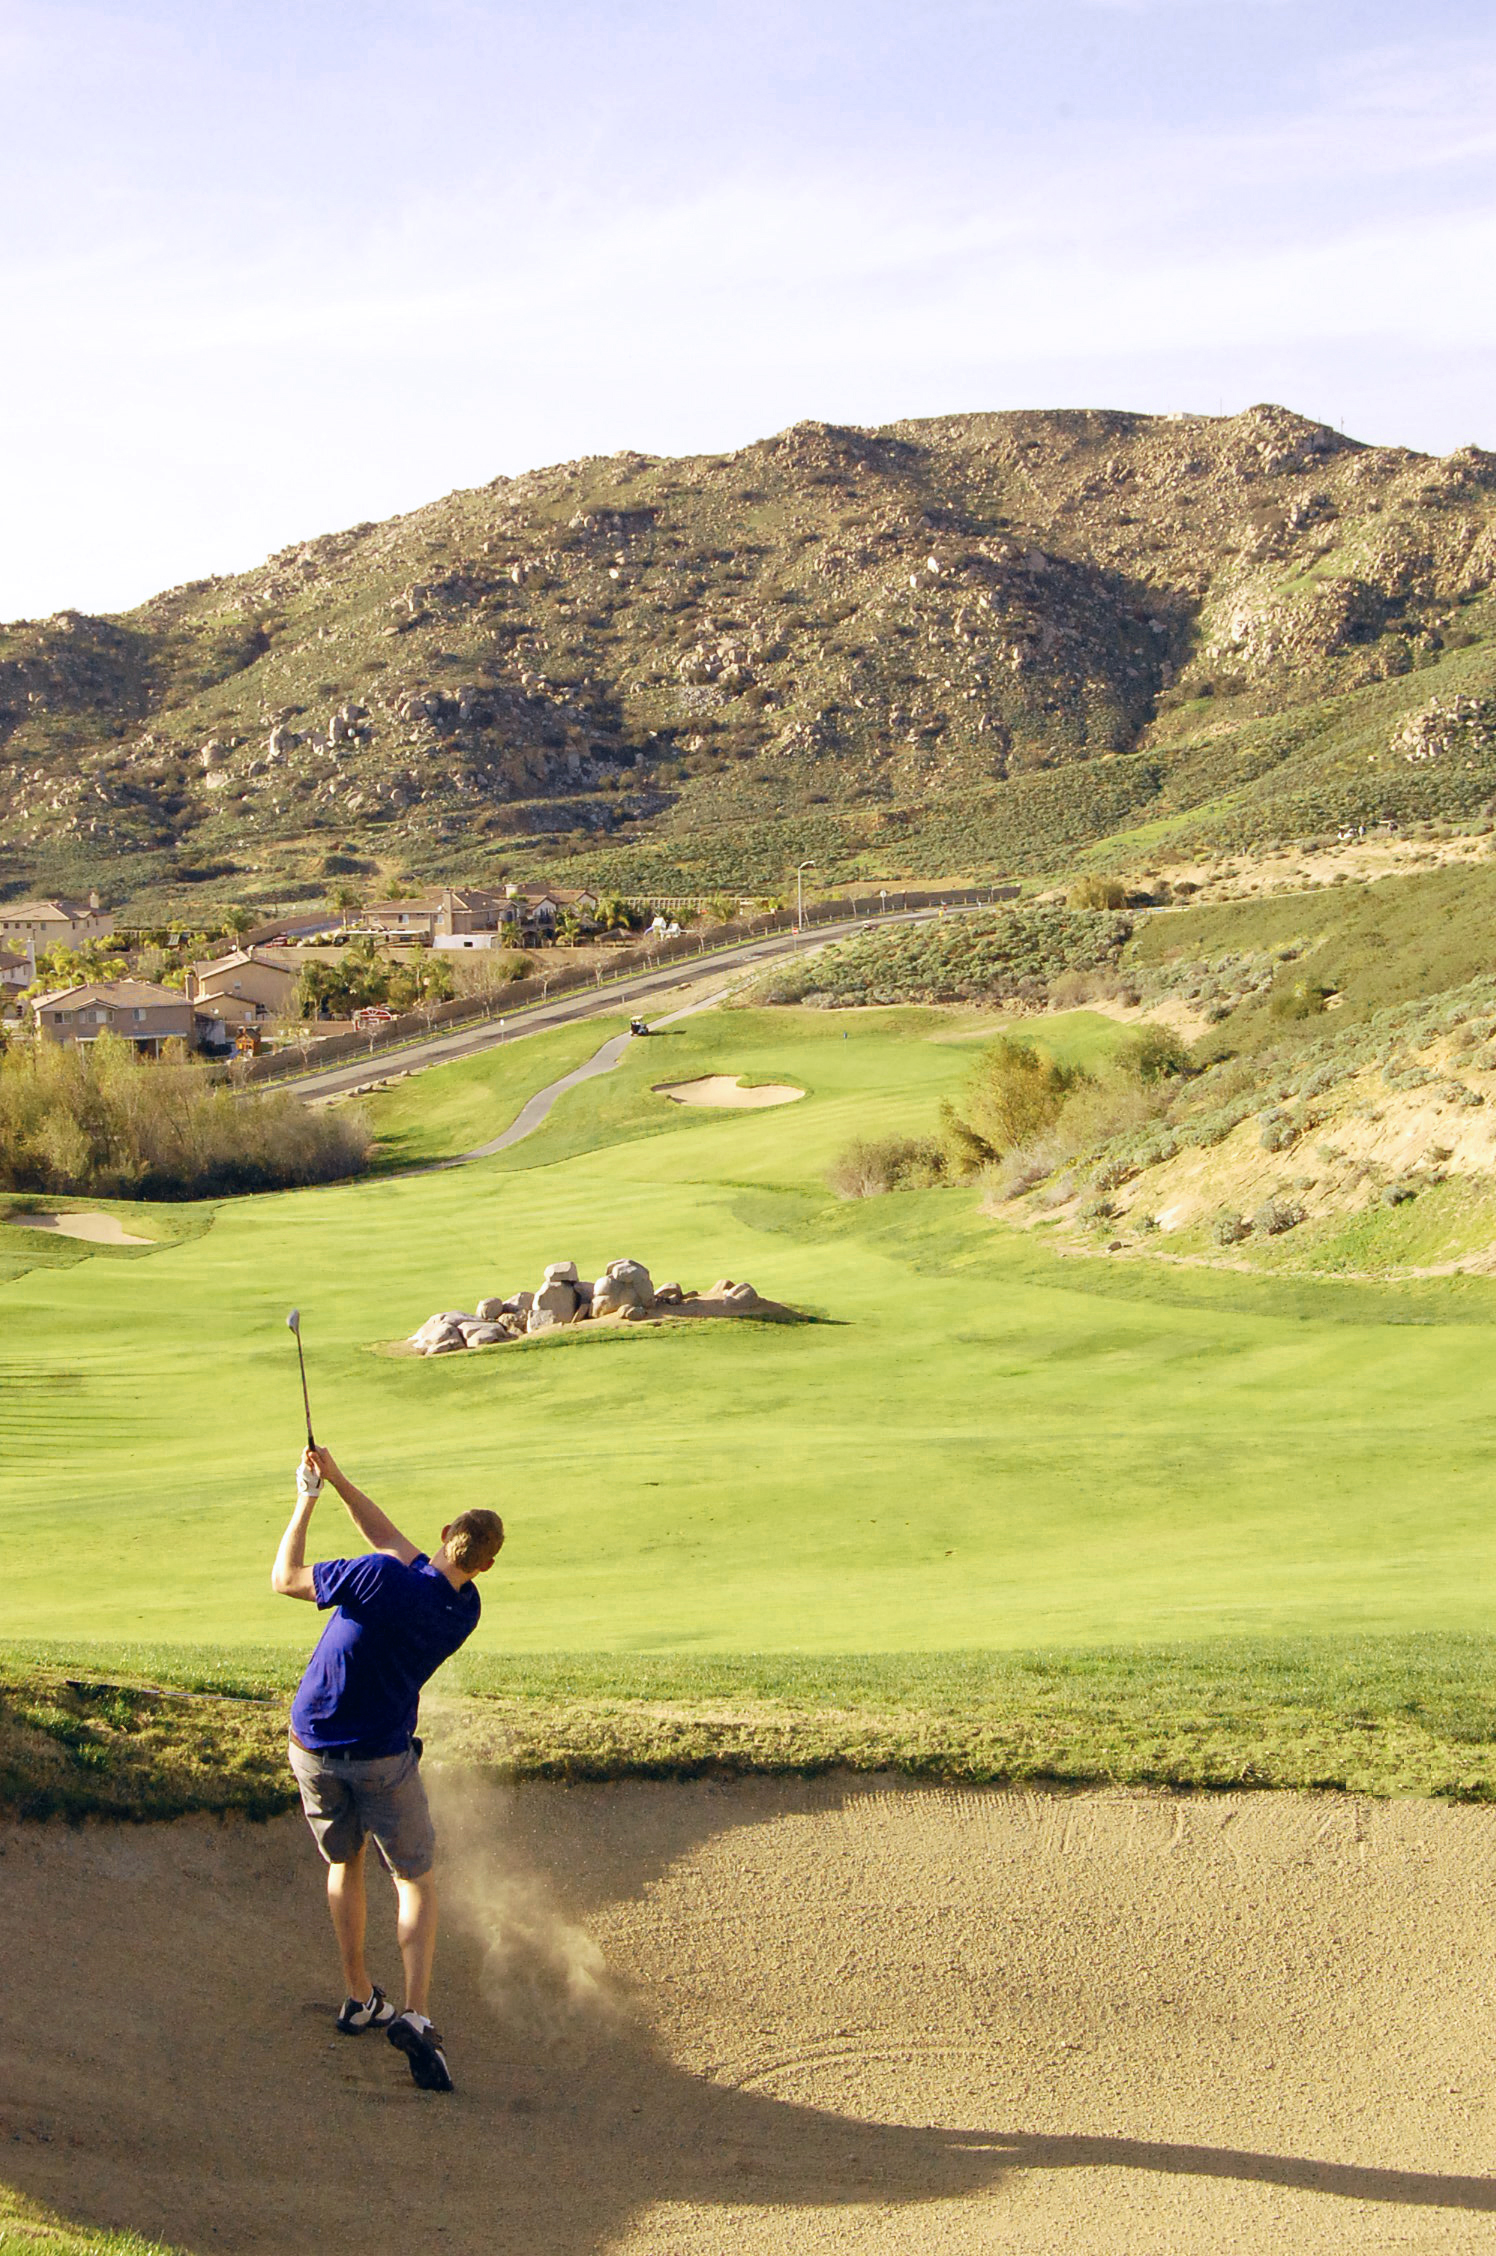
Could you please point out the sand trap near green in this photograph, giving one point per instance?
(727, 1092)
(981, 1445)
(93, 1229)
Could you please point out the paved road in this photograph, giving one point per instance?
(585, 1002)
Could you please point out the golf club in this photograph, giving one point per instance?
(293, 1324)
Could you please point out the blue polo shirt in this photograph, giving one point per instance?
(394, 1626)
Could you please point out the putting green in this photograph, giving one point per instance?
(981, 1445)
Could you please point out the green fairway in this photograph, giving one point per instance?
(445, 1110)
(980, 1446)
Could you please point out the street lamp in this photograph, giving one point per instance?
(801, 868)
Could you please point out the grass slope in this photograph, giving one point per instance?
(981, 1447)
(451, 1109)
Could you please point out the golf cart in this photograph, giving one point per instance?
(638, 1026)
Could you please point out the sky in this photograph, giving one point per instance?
(274, 267)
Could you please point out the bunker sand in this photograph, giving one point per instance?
(725, 1092)
(776, 2018)
(98, 1229)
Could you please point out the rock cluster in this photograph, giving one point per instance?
(1446, 725)
(624, 1291)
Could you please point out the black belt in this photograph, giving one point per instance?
(357, 1753)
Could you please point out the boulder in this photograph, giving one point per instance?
(490, 1310)
(554, 1304)
(519, 1304)
(434, 1326)
(561, 1273)
(743, 1295)
(624, 1284)
(449, 1342)
(668, 1296)
(483, 1335)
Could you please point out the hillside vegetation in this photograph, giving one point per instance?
(1341, 1072)
(975, 644)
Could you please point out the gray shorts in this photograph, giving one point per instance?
(347, 1800)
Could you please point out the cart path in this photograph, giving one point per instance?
(536, 1108)
(786, 2018)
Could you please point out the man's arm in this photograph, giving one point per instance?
(374, 1526)
(291, 1577)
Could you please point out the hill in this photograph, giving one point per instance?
(980, 643)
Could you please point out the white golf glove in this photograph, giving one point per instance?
(308, 1482)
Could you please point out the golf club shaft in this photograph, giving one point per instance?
(305, 1398)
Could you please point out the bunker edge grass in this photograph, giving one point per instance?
(29, 2229)
(130, 1733)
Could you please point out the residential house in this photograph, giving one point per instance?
(45, 923)
(400, 920)
(250, 975)
(239, 992)
(134, 1009)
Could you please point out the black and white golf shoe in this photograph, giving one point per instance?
(376, 2012)
(413, 2035)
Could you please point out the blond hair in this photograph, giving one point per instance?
(474, 1540)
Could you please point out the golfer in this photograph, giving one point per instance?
(353, 1745)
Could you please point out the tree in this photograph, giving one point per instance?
(1096, 893)
(237, 921)
(1014, 1094)
(345, 899)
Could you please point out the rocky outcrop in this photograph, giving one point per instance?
(624, 1293)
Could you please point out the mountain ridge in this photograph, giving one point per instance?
(982, 643)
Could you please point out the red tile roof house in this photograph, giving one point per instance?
(134, 1009)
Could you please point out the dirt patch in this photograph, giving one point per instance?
(98, 1229)
(727, 1092)
(778, 2018)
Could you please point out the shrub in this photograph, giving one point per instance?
(1229, 1228)
(104, 1121)
(1096, 893)
(1275, 1215)
(1071, 989)
(1025, 1165)
(872, 1165)
(1155, 1053)
(1300, 998)
(1015, 1092)
(1279, 1132)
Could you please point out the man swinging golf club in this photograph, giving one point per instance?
(399, 1615)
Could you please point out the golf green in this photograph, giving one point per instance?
(978, 1444)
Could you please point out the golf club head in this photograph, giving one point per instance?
(293, 1321)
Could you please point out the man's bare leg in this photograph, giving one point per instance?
(349, 1907)
(416, 1927)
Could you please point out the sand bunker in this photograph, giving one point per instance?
(99, 1229)
(725, 1091)
(779, 2018)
